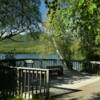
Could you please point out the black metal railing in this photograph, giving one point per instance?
(8, 82)
(32, 81)
(24, 82)
(29, 77)
(78, 65)
(92, 67)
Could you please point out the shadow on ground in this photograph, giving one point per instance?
(58, 91)
(69, 78)
(95, 96)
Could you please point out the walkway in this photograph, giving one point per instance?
(90, 91)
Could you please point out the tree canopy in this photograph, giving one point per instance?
(18, 16)
(87, 23)
(75, 25)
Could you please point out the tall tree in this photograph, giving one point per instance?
(72, 20)
(18, 16)
(57, 25)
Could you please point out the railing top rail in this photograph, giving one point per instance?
(95, 62)
(27, 68)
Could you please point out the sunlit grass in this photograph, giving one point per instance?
(26, 47)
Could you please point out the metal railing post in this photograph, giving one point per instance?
(47, 84)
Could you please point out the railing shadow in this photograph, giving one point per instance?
(69, 78)
(68, 91)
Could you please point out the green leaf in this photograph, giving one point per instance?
(91, 8)
(97, 40)
(80, 2)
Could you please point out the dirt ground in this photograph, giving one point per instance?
(88, 92)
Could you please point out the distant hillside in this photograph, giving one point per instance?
(27, 44)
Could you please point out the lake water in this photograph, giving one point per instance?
(30, 56)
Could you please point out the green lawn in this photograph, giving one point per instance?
(26, 46)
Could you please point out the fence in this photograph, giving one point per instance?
(79, 65)
(39, 63)
(32, 81)
(27, 78)
(34, 63)
(24, 82)
(8, 83)
(92, 67)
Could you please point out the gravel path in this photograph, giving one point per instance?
(88, 92)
